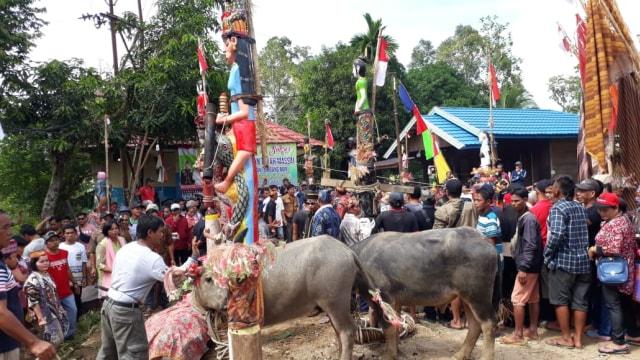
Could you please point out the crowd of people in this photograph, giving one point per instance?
(550, 238)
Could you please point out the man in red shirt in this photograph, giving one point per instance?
(544, 192)
(147, 192)
(181, 234)
(61, 275)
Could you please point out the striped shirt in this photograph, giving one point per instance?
(9, 293)
(489, 226)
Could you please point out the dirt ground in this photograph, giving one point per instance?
(307, 339)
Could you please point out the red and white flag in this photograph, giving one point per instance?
(565, 43)
(329, 136)
(382, 61)
(201, 59)
(495, 90)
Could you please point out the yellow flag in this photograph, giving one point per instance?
(442, 168)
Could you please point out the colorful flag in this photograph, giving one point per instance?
(442, 167)
(201, 59)
(495, 91)
(382, 61)
(581, 35)
(409, 105)
(428, 142)
(565, 43)
(329, 136)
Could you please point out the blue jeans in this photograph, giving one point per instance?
(69, 305)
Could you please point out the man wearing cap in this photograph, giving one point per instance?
(12, 332)
(179, 225)
(396, 219)
(326, 220)
(518, 175)
(61, 274)
(586, 193)
(455, 212)
(565, 255)
(302, 218)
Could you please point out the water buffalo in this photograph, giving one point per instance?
(309, 273)
(431, 268)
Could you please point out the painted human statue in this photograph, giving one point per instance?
(242, 119)
(364, 122)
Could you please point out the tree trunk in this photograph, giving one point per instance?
(58, 161)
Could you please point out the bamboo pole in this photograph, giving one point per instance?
(395, 120)
(491, 138)
(375, 63)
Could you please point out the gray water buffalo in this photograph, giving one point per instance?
(309, 273)
(431, 268)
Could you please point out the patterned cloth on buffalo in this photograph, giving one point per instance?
(179, 332)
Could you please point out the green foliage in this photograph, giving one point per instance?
(438, 84)
(566, 92)
(19, 27)
(278, 66)
(367, 42)
(159, 95)
(423, 54)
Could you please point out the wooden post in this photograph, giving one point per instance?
(491, 139)
(106, 157)
(246, 344)
(395, 120)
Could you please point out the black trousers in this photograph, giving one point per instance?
(621, 312)
(181, 256)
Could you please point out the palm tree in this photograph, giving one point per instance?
(367, 42)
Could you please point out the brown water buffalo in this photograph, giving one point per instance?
(309, 273)
(431, 268)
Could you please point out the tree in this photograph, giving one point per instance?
(423, 54)
(515, 95)
(278, 63)
(19, 27)
(464, 52)
(58, 108)
(566, 92)
(438, 84)
(367, 42)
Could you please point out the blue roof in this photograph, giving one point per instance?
(519, 123)
(455, 131)
(461, 126)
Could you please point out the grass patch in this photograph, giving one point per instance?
(86, 326)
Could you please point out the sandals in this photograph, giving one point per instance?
(557, 343)
(513, 340)
(609, 350)
(448, 325)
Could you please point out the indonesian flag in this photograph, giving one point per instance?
(565, 44)
(329, 136)
(382, 61)
(201, 60)
(495, 91)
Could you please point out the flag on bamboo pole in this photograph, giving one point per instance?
(495, 90)
(421, 125)
(565, 43)
(381, 62)
(442, 168)
(329, 143)
(202, 61)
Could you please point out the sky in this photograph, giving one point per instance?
(533, 25)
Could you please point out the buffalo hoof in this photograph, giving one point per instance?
(460, 356)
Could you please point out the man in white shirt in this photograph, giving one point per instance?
(77, 260)
(135, 270)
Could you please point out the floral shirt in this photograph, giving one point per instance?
(326, 221)
(617, 238)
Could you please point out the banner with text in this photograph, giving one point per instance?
(282, 164)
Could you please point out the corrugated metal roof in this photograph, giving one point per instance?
(461, 126)
(514, 123)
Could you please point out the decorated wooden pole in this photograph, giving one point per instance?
(245, 310)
